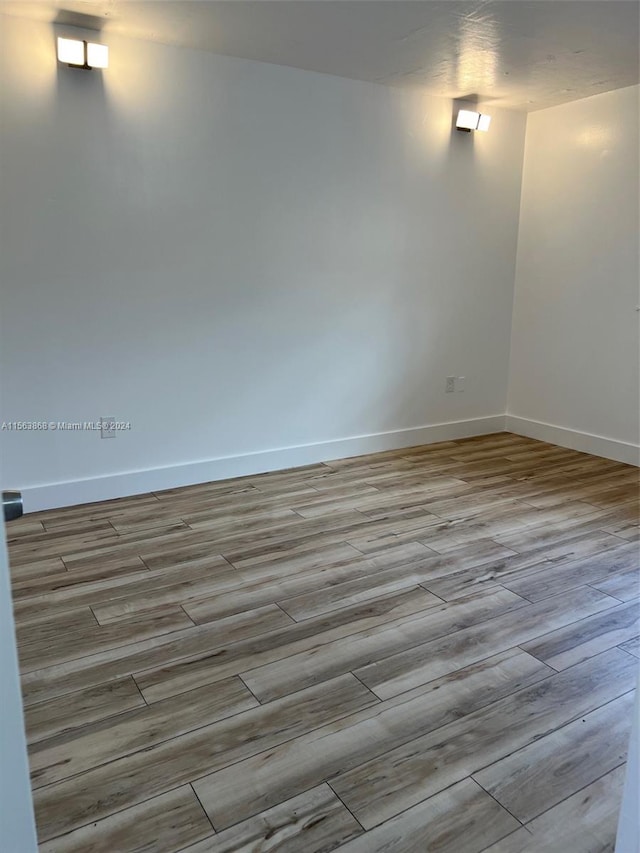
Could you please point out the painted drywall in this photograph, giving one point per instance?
(574, 371)
(17, 824)
(238, 257)
(628, 835)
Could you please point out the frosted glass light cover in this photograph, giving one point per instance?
(484, 122)
(71, 51)
(467, 119)
(97, 55)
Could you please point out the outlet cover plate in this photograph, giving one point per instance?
(107, 427)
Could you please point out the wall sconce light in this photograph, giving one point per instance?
(82, 54)
(469, 120)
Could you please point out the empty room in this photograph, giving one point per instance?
(319, 426)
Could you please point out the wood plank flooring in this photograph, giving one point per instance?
(430, 649)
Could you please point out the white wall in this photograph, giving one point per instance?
(238, 257)
(628, 835)
(17, 825)
(574, 352)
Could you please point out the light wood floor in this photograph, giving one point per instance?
(431, 649)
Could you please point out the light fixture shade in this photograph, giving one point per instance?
(467, 120)
(471, 120)
(97, 55)
(71, 51)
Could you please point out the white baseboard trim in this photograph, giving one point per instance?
(598, 445)
(71, 493)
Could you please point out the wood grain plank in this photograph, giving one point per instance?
(261, 591)
(41, 632)
(538, 777)
(214, 487)
(536, 537)
(520, 841)
(92, 745)
(350, 593)
(602, 490)
(94, 669)
(556, 579)
(627, 493)
(512, 566)
(187, 673)
(434, 475)
(402, 495)
(27, 524)
(496, 523)
(395, 559)
(67, 516)
(93, 639)
(469, 506)
(92, 795)
(586, 821)
(375, 461)
(292, 539)
(227, 522)
(287, 475)
(36, 569)
(415, 666)
(33, 608)
(573, 643)
(628, 530)
(38, 546)
(416, 571)
(112, 588)
(163, 824)
(242, 789)
(78, 709)
(96, 577)
(324, 660)
(382, 788)
(579, 469)
(354, 550)
(495, 450)
(245, 503)
(463, 819)
(392, 529)
(632, 646)
(79, 525)
(624, 587)
(273, 564)
(313, 822)
(147, 521)
(175, 536)
(180, 592)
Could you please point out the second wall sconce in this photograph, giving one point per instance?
(469, 120)
(82, 54)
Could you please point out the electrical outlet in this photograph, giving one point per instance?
(460, 380)
(107, 427)
(451, 385)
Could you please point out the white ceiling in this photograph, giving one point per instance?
(521, 54)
